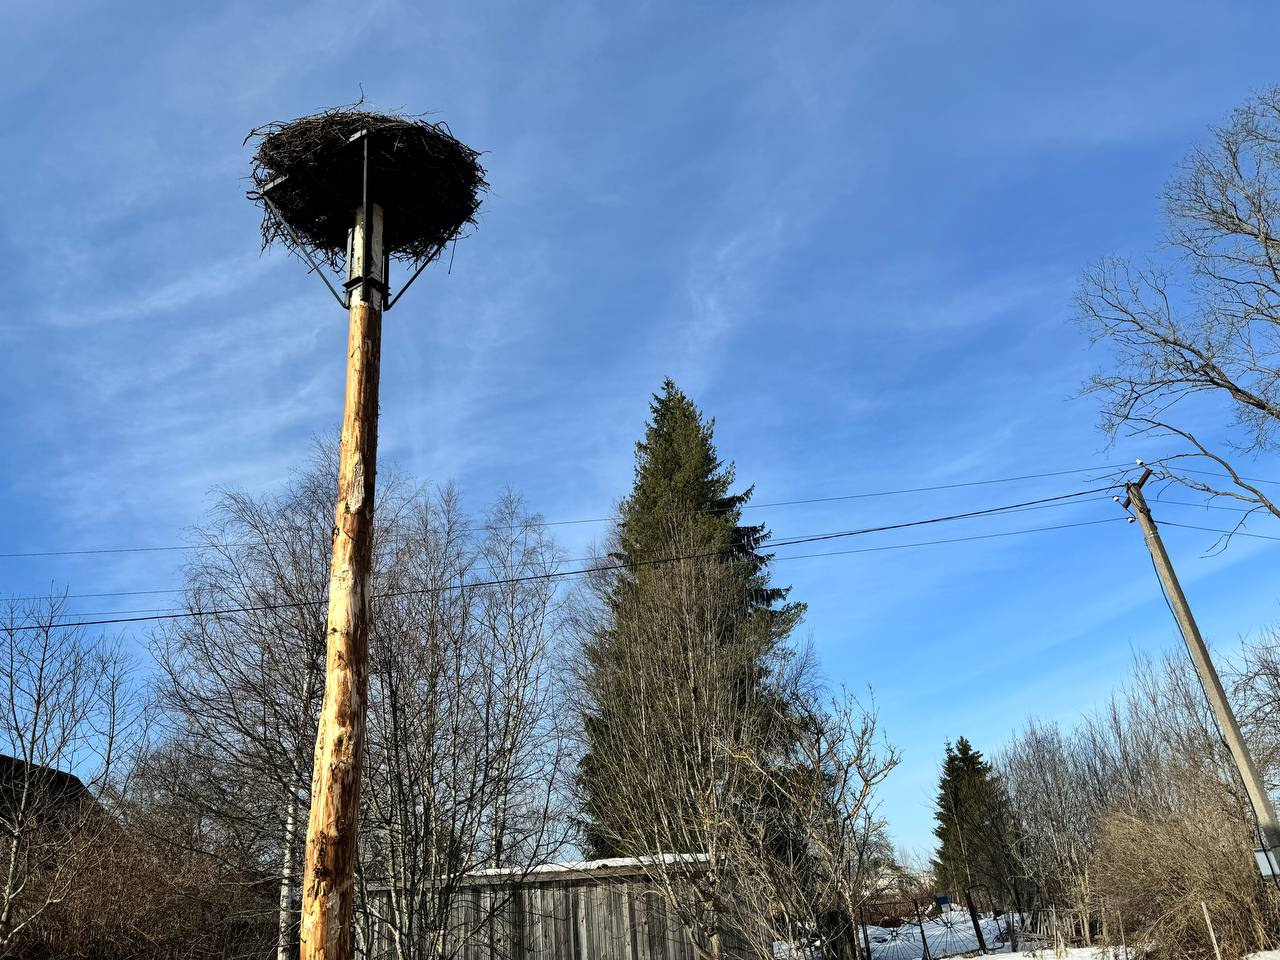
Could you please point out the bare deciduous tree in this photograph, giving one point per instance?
(240, 681)
(464, 741)
(463, 744)
(1256, 691)
(68, 726)
(1195, 342)
(836, 849)
(1139, 809)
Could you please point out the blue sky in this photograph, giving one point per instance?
(850, 231)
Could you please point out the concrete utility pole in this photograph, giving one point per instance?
(1254, 786)
(328, 880)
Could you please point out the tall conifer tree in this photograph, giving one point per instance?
(681, 504)
(972, 824)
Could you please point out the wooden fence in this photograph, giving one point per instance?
(602, 911)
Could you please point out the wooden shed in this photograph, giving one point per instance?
(589, 910)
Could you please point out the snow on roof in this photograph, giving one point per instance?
(609, 865)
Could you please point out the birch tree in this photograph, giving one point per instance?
(240, 680)
(464, 742)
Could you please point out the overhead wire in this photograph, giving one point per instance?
(172, 590)
(780, 541)
(795, 556)
(605, 568)
(1101, 468)
(771, 544)
(1077, 497)
(1228, 533)
(31, 554)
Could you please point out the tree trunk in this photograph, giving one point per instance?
(284, 922)
(284, 919)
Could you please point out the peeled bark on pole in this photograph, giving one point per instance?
(328, 886)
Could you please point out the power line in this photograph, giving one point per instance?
(798, 556)
(605, 568)
(1229, 533)
(174, 548)
(1206, 506)
(94, 551)
(793, 556)
(1044, 503)
(955, 516)
(947, 486)
(172, 590)
(94, 596)
(932, 543)
(1220, 476)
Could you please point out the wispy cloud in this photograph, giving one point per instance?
(205, 285)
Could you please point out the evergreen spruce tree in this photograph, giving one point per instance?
(972, 825)
(681, 504)
(680, 483)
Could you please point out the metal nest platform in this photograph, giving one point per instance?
(312, 174)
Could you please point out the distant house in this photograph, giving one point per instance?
(895, 881)
(42, 794)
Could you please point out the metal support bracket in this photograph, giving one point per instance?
(408, 283)
(366, 233)
(363, 280)
(343, 301)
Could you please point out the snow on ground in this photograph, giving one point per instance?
(947, 935)
(1077, 953)
(900, 948)
(952, 933)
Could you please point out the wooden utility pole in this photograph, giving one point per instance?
(1254, 786)
(328, 884)
(308, 175)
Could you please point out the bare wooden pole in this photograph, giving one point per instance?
(924, 941)
(1268, 825)
(328, 885)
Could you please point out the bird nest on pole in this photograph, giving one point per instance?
(309, 176)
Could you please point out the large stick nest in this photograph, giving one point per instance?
(427, 182)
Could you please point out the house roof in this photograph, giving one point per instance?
(56, 786)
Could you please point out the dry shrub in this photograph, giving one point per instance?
(1157, 863)
(140, 899)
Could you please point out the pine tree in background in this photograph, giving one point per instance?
(973, 827)
(681, 504)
